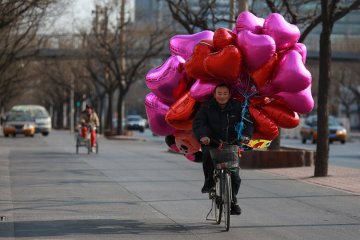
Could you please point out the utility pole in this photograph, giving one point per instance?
(72, 110)
(121, 101)
(96, 24)
(243, 6)
(232, 13)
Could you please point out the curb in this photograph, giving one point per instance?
(126, 138)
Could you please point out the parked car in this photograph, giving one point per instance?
(19, 123)
(39, 114)
(309, 130)
(135, 122)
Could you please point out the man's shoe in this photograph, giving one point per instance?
(206, 188)
(208, 185)
(235, 209)
(93, 149)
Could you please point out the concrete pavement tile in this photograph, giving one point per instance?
(343, 178)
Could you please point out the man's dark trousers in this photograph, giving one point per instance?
(208, 168)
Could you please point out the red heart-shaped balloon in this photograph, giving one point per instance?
(208, 41)
(265, 127)
(186, 142)
(194, 65)
(223, 37)
(225, 64)
(263, 74)
(258, 101)
(181, 114)
(282, 115)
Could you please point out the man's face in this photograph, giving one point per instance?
(222, 95)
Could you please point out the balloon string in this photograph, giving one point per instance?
(240, 126)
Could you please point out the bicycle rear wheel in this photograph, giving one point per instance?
(227, 200)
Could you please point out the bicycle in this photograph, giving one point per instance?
(225, 159)
(83, 139)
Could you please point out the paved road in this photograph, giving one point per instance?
(138, 190)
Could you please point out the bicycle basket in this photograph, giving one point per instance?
(227, 157)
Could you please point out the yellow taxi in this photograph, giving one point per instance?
(336, 131)
(16, 123)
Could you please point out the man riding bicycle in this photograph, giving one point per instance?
(90, 118)
(214, 123)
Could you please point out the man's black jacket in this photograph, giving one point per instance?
(219, 124)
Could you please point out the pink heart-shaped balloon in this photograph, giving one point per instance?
(165, 78)
(291, 75)
(201, 91)
(301, 48)
(248, 21)
(284, 33)
(301, 102)
(156, 111)
(256, 49)
(182, 45)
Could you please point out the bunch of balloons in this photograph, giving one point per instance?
(260, 59)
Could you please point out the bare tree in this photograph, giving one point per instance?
(124, 51)
(104, 83)
(19, 23)
(198, 16)
(331, 12)
(344, 81)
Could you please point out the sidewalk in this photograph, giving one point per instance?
(346, 179)
(354, 134)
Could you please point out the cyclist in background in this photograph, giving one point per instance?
(90, 118)
(215, 122)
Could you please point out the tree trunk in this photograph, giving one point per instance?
(108, 124)
(358, 112)
(347, 109)
(322, 145)
(60, 116)
(101, 109)
(119, 130)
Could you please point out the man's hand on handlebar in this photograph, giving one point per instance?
(205, 140)
(246, 140)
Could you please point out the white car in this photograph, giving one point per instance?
(39, 114)
(135, 122)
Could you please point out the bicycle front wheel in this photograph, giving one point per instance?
(218, 199)
(227, 200)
